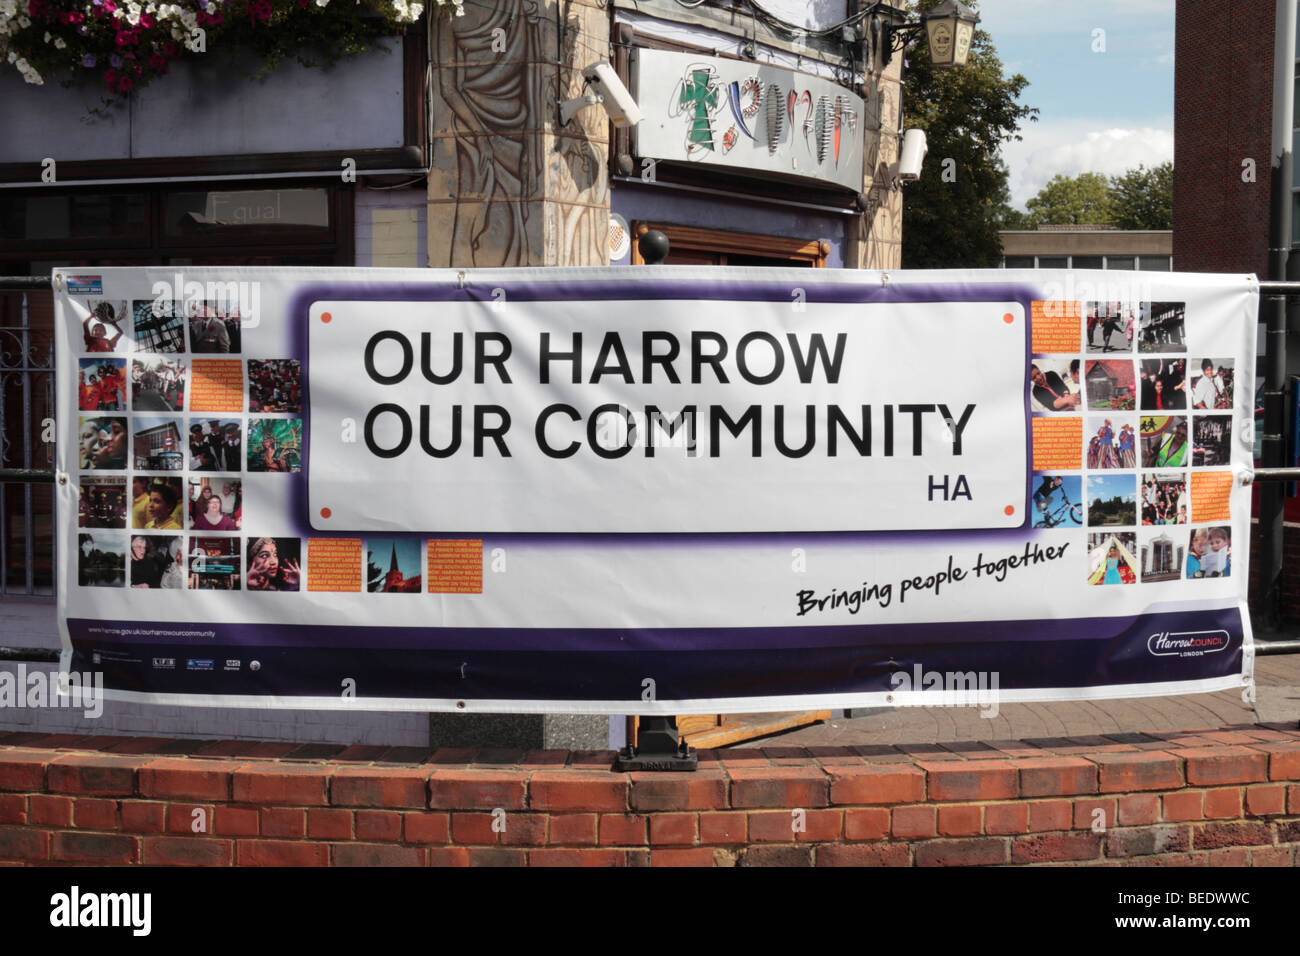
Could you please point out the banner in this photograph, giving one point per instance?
(658, 490)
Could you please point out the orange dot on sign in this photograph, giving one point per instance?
(1010, 509)
(325, 316)
(325, 512)
(1007, 317)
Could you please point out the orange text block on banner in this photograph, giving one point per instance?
(333, 564)
(1058, 443)
(1055, 327)
(455, 566)
(1210, 493)
(217, 385)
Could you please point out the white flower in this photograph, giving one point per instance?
(12, 56)
(59, 44)
(21, 66)
(416, 10)
(322, 3)
(47, 36)
(24, 22)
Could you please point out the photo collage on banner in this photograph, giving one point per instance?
(162, 439)
(165, 443)
(1133, 424)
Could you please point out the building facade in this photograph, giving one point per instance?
(1087, 247)
(1222, 135)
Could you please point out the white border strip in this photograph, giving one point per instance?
(702, 706)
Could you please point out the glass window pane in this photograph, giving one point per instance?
(1155, 263)
(1295, 218)
(1019, 262)
(1086, 262)
(218, 213)
(1053, 262)
(122, 217)
(1119, 262)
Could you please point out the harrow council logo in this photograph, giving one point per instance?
(1187, 643)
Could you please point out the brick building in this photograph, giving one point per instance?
(1223, 108)
(1223, 102)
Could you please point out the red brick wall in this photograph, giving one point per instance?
(1223, 98)
(1290, 595)
(1201, 798)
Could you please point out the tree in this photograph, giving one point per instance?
(1072, 200)
(1144, 198)
(951, 216)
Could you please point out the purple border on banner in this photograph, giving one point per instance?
(637, 639)
(660, 290)
(693, 664)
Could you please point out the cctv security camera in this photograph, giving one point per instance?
(911, 155)
(618, 102)
(609, 93)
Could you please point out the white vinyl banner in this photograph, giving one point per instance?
(653, 489)
(712, 416)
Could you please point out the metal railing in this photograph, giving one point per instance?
(26, 385)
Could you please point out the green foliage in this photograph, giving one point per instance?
(1144, 198)
(967, 114)
(1138, 199)
(1072, 200)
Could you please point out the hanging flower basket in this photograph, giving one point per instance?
(125, 45)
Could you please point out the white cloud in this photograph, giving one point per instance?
(1071, 147)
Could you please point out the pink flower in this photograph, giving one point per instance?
(169, 49)
(124, 84)
(110, 79)
(158, 62)
(147, 21)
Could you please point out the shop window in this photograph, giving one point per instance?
(235, 214)
(72, 216)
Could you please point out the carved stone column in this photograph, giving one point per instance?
(876, 237)
(508, 187)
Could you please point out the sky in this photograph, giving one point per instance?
(1103, 110)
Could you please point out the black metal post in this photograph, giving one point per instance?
(1273, 442)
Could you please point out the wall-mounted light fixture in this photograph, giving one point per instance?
(949, 29)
